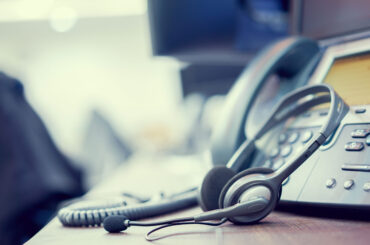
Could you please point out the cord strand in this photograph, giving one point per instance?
(150, 239)
(164, 222)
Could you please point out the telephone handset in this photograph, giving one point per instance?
(290, 60)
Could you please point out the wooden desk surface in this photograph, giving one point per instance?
(278, 228)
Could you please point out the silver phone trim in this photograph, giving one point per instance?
(338, 51)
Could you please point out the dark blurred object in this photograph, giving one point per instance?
(216, 38)
(319, 19)
(192, 29)
(215, 31)
(103, 149)
(199, 78)
(35, 176)
(261, 22)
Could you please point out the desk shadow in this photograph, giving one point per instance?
(82, 227)
(177, 234)
(116, 234)
(340, 213)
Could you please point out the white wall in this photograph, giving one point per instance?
(102, 63)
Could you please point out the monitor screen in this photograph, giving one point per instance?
(323, 19)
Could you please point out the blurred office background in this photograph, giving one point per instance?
(75, 57)
(78, 59)
(115, 78)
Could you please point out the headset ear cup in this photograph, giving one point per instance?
(238, 176)
(212, 185)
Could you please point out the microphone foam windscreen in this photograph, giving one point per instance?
(114, 224)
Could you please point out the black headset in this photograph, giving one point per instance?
(250, 195)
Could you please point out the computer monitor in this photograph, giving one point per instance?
(208, 31)
(215, 38)
(320, 19)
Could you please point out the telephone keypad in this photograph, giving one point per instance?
(354, 146)
(289, 141)
(293, 140)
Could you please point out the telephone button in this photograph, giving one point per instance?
(368, 140)
(307, 136)
(267, 163)
(348, 184)
(360, 133)
(280, 162)
(286, 151)
(330, 183)
(275, 152)
(366, 187)
(293, 137)
(282, 138)
(354, 146)
(356, 167)
(360, 110)
(323, 113)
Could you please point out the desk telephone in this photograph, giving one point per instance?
(272, 123)
(339, 173)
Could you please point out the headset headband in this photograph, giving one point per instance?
(294, 104)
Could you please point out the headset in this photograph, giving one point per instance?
(250, 195)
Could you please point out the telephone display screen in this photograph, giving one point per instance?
(350, 77)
